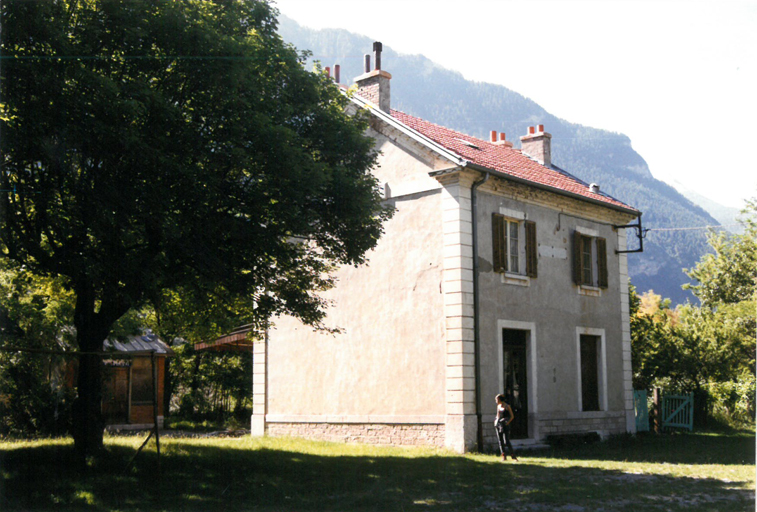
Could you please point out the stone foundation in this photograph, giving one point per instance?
(366, 433)
(547, 424)
(606, 423)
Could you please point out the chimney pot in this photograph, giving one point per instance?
(337, 68)
(493, 135)
(377, 48)
(541, 128)
(502, 136)
(328, 71)
(374, 85)
(531, 130)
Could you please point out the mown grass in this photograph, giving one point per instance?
(672, 472)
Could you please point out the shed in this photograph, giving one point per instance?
(127, 382)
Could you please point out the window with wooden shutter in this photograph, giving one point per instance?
(577, 250)
(602, 263)
(499, 257)
(531, 249)
(589, 260)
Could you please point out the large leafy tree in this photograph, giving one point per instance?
(150, 146)
(710, 346)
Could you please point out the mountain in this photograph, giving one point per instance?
(727, 216)
(424, 89)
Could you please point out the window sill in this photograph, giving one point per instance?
(515, 279)
(589, 291)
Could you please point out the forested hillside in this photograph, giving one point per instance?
(424, 89)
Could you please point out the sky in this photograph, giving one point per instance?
(679, 77)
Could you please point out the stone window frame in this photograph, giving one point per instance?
(601, 368)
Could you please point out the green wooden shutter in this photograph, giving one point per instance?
(531, 249)
(577, 250)
(499, 246)
(602, 262)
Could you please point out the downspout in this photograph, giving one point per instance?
(476, 340)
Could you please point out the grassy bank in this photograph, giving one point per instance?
(673, 472)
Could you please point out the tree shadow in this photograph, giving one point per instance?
(196, 477)
(672, 448)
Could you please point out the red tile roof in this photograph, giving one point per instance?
(503, 159)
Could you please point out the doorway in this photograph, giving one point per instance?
(515, 378)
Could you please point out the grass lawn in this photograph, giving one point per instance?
(692, 472)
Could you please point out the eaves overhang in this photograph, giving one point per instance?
(499, 174)
(409, 132)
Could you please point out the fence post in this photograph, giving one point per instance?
(155, 405)
(657, 411)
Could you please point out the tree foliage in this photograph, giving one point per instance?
(152, 147)
(708, 348)
(35, 312)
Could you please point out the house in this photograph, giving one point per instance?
(128, 394)
(499, 272)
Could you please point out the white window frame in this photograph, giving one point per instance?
(515, 217)
(592, 290)
(601, 367)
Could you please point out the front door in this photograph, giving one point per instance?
(515, 378)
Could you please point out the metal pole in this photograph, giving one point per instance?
(155, 404)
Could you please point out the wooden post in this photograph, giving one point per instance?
(155, 405)
(657, 411)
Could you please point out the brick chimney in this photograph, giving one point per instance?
(538, 145)
(501, 140)
(373, 85)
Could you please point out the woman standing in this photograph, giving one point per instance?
(505, 416)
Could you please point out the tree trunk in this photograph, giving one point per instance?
(87, 419)
(88, 422)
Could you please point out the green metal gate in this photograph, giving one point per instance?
(678, 411)
(642, 410)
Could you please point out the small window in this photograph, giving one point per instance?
(589, 260)
(141, 381)
(512, 241)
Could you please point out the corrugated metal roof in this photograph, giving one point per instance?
(143, 344)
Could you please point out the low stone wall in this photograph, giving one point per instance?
(366, 433)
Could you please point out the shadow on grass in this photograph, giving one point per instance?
(197, 477)
(737, 448)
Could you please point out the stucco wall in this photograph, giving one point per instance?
(388, 362)
(554, 311)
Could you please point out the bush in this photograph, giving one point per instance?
(32, 404)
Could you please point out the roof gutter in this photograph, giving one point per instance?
(476, 337)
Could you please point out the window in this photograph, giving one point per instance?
(589, 260)
(141, 381)
(513, 241)
(591, 369)
(589, 372)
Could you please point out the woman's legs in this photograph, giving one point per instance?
(506, 435)
(501, 441)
